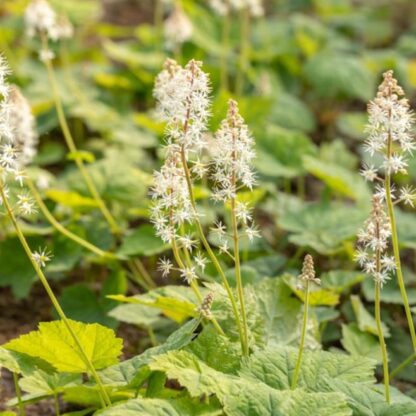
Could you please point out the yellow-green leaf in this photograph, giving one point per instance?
(53, 343)
(70, 198)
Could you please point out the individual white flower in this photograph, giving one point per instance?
(243, 212)
(46, 55)
(219, 229)
(187, 242)
(188, 274)
(165, 266)
(201, 261)
(388, 263)
(407, 195)
(26, 204)
(41, 257)
(369, 173)
(252, 232)
(178, 28)
(361, 257)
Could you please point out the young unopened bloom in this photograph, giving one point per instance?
(205, 308)
(373, 241)
(178, 29)
(308, 271)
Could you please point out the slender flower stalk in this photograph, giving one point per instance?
(307, 277)
(20, 404)
(389, 128)
(232, 170)
(73, 149)
(42, 20)
(37, 267)
(374, 241)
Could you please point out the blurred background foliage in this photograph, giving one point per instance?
(313, 66)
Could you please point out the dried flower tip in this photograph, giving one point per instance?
(308, 270)
(41, 257)
(205, 308)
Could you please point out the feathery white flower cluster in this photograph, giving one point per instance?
(373, 242)
(183, 101)
(41, 18)
(182, 96)
(389, 129)
(17, 138)
(223, 7)
(233, 155)
(232, 158)
(178, 29)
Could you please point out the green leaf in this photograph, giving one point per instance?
(41, 383)
(128, 372)
(360, 343)
(279, 312)
(274, 367)
(281, 151)
(142, 242)
(176, 302)
(243, 396)
(338, 178)
(366, 322)
(325, 227)
(136, 314)
(341, 280)
(317, 296)
(70, 198)
(333, 74)
(82, 155)
(209, 346)
(15, 268)
(54, 344)
(352, 124)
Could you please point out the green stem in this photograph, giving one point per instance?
(60, 228)
(226, 47)
(210, 252)
(136, 275)
(194, 285)
(240, 289)
(72, 147)
(302, 338)
(158, 22)
(382, 342)
(146, 276)
(22, 411)
(409, 360)
(396, 250)
(244, 50)
(56, 402)
(103, 394)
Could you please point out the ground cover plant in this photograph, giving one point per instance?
(207, 208)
